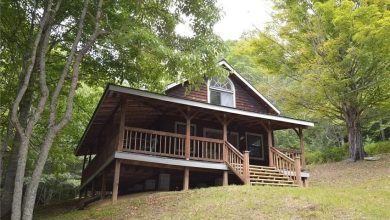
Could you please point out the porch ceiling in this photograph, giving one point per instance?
(143, 108)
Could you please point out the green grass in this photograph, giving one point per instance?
(339, 190)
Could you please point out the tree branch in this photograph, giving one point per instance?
(61, 81)
(28, 73)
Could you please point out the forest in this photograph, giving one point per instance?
(320, 60)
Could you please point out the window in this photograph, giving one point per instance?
(254, 143)
(180, 128)
(221, 93)
(218, 134)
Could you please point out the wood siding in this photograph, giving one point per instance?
(199, 95)
(245, 98)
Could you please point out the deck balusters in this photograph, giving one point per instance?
(171, 144)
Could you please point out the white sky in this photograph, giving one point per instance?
(240, 16)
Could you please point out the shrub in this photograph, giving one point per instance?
(313, 157)
(329, 154)
(381, 147)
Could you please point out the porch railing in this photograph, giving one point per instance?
(288, 166)
(206, 149)
(154, 142)
(162, 143)
(168, 144)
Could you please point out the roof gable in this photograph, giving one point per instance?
(248, 98)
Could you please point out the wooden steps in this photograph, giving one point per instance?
(274, 184)
(262, 175)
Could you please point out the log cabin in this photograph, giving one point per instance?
(219, 134)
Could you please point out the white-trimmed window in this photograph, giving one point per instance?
(221, 93)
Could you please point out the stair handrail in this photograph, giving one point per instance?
(285, 164)
(292, 153)
(283, 155)
(232, 148)
(237, 162)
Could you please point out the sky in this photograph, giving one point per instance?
(238, 17)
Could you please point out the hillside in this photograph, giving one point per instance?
(343, 190)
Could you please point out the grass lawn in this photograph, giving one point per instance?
(343, 190)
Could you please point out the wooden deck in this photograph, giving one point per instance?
(164, 149)
(168, 162)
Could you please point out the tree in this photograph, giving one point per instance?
(134, 43)
(337, 52)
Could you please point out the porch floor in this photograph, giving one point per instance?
(144, 158)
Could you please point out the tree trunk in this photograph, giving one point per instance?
(352, 119)
(19, 179)
(7, 136)
(10, 171)
(31, 192)
(24, 110)
(9, 180)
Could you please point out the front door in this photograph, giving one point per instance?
(255, 146)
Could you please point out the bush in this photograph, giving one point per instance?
(381, 147)
(330, 154)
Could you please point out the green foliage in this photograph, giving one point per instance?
(338, 53)
(325, 155)
(330, 58)
(140, 48)
(57, 187)
(381, 147)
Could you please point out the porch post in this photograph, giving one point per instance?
(93, 187)
(225, 137)
(80, 193)
(188, 136)
(246, 168)
(116, 181)
(85, 191)
(301, 141)
(103, 189)
(186, 179)
(122, 125)
(225, 179)
(270, 157)
(84, 161)
(297, 162)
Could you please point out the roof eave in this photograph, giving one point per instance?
(147, 94)
(232, 70)
(92, 119)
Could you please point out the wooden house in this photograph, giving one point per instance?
(219, 134)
